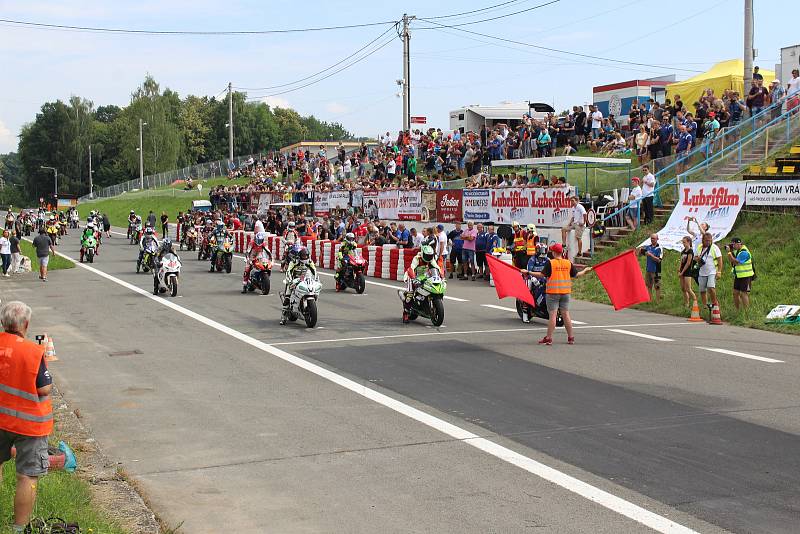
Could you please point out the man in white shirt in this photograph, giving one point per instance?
(634, 198)
(391, 168)
(648, 195)
(577, 222)
(597, 121)
(441, 248)
(709, 257)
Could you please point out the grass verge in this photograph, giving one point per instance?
(56, 262)
(775, 248)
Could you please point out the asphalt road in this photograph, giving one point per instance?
(232, 423)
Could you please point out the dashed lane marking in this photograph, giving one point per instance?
(741, 355)
(639, 334)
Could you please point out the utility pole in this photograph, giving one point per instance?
(748, 45)
(55, 175)
(406, 35)
(230, 122)
(90, 171)
(141, 156)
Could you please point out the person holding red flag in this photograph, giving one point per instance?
(559, 273)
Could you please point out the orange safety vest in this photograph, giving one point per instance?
(559, 282)
(530, 249)
(519, 241)
(22, 410)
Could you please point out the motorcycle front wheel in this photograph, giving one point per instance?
(310, 313)
(173, 286)
(437, 312)
(155, 285)
(360, 283)
(228, 264)
(265, 283)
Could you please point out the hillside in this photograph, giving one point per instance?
(775, 246)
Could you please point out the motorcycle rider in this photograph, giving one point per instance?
(257, 246)
(300, 262)
(148, 240)
(131, 222)
(220, 233)
(290, 236)
(347, 248)
(422, 262)
(536, 264)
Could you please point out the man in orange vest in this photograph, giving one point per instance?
(519, 247)
(559, 273)
(26, 416)
(531, 239)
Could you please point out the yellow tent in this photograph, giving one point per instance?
(723, 75)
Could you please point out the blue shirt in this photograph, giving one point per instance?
(684, 141)
(403, 236)
(742, 256)
(455, 237)
(652, 265)
(666, 131)
(536, 263)
(480, 242)
(492, 241)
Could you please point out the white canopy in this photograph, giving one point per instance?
(560, 160)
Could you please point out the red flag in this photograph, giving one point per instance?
(508, 281)
(623, 280)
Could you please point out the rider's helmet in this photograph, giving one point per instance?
(133, 212)
(52, 217)
(166, 245)
(220, 226)
(138, 218)
(291, 225)
(350, 237)
(90, 226)
(259, 239)
(149, 230)
(427, 253)
(541, 250)
(302, 254)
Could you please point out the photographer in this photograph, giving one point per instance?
(743, 272)
(652, 277)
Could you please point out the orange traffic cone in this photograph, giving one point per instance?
(50, 350)
(695, 317)
(715, 316)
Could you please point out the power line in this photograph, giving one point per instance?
(549, 49)
(95, 29)
(465, 13)
(269, 88)
(345, 67)
(551, 2)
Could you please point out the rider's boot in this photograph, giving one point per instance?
(244, 287)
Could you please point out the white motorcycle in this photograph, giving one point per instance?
(167, 274)
(305, 290)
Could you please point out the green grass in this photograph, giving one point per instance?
(775, 247)
(60, 494)
(56, 262)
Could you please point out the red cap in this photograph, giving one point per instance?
(635, 179)
(557, 249)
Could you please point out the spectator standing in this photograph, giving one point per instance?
(164, 224)
(652, 278)
(16, 256)
(468, 252)
(708, 258)
(757, 97)
(559, 273)
(403, 236)
(576, 222)
(106, 225)
(743, 272)
(685, 272)
(597, 122)
(456, 247)
(776, 93)
(481, 243)
(634, 201)
(648, 193)
(44, 246)
(441, 248)
(151, 219)
(5, 251)
(26, 414)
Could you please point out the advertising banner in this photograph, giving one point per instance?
(339, 200)
(263, 203)
(476, 205)
(369, 201)
(357, 198)
(546, 207)
(778, 193)
(321, 206)
(387, 204)
(409, 205)
(715, 203)
(448, 205)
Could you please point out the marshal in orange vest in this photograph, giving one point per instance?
(22, 410)
(560, 281)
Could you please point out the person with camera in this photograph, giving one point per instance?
(652, 276)
(708, 259)
(743, 272)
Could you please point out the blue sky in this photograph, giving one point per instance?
(449, 68)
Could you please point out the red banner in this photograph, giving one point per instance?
(448, 205)
(622, 278)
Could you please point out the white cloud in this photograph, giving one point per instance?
(8, 141)
(336, 107)
(276, 102)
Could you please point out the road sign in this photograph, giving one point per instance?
(419, 120)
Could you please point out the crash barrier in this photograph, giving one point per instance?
(388, 261)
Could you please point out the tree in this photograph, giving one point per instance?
(194, 126)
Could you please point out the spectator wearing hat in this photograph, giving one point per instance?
(576, 222)
(634, 198)
(743, 272)
(559, 273)
(519, 246)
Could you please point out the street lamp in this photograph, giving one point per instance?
(55, 173)
(141, 156)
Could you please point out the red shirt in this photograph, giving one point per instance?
(237, 224)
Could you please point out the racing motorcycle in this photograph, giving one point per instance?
(305, 290)
(165, 277)
(428, 298)
(352, 274)
(527, 312)
(190, 239)
(260, 273)
(52, 233)
(224, 257)
(28, 225)
(88, 249)
(135, 233)
(204, 250)
(148, 262)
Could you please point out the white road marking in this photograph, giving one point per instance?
(496, 307)
(741, 355)
(612, 502)
(580, 323)
(639, 334)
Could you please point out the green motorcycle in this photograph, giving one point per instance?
(428, 298)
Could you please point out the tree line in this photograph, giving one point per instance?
(179, 133)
